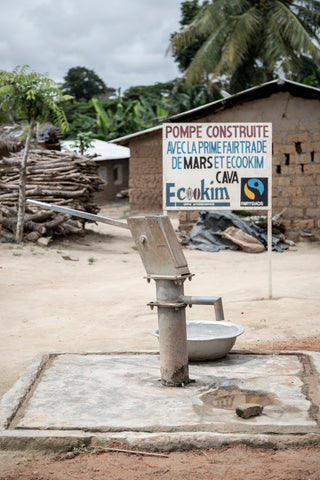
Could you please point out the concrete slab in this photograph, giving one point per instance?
(65, 399)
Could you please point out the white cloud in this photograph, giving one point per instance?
(123, 41)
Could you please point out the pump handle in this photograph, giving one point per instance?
(81, 214)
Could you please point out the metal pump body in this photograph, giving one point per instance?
(165, 263)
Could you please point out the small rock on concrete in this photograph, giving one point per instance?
(247, 410)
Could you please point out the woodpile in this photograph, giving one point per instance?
(10, 139)
(60, 178)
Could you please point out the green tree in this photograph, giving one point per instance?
(184, 98)
(309, 72)
(80, 82)
(152, 93)
(81, 116)
(32, 97)
(184, 56)
(250, 41)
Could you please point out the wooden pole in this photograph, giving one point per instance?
(22, 185)
(270, 251)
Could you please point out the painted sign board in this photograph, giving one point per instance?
(217, 166)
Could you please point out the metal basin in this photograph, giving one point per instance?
(209, 340)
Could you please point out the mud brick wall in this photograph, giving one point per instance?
(296, 161)
(296, 179)
(116, 175)
(145, 181)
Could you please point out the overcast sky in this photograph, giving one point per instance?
(123, 41)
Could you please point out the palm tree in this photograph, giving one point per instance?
(250, 41)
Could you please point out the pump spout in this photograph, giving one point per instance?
(215, 301)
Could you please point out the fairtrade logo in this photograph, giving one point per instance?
(254, 192)
(252, 186)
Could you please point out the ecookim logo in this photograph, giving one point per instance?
(193, 193)
(252, 186)
(254, 192)
(203, 194)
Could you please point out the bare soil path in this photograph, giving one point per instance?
(236, 463)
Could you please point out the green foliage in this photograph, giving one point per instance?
(121, 117)
(308, 73)
(4, 117)
(31, 96)
(185, 98)
(246, 42)
(82, 83)
(313, 80)
(140, 107)
(79, 449)
(152, 93)
(81, 116)
(83, 142)
(117, 119)
(184, 56)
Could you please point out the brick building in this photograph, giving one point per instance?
(294, 111)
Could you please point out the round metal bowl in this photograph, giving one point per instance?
(209, 340)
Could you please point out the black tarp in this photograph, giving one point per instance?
(206, 234)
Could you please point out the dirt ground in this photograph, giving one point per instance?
(90, 294)
(236, 463)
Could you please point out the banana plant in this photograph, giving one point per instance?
(126, 117)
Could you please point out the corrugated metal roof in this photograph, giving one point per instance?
(102, 150)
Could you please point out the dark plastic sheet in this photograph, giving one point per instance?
(206, 234)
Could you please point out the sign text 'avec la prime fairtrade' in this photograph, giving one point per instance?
(217, 165)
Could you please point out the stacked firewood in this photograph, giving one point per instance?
(60, 178)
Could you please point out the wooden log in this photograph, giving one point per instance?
(9, 178)
(33, 236)
(8, 196)
(57, 193)
(66, 229)
(40, 216)
(9, 224)
(7, 211)
(37, 169)
(35, 227)
(58, 220)
(7, 186)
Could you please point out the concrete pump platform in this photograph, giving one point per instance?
(65, 399)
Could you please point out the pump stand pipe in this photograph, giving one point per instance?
(215, 301)
(172, 334)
